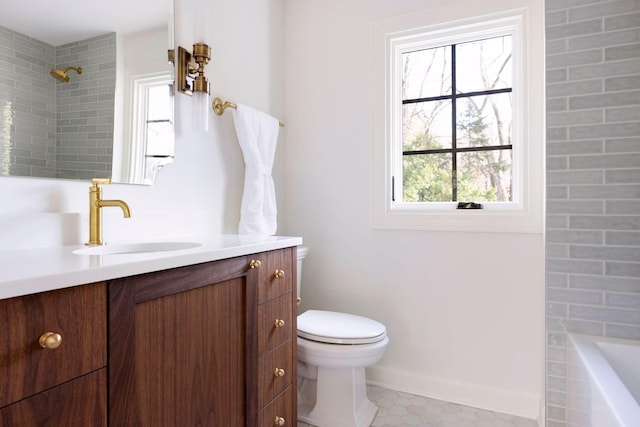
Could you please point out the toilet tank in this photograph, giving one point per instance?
(302, 252)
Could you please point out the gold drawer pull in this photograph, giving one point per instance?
(278, 274)
(255, 263)
(279, 323)
(278, 372)
(50, 340)
(278, 421)
(298, 300)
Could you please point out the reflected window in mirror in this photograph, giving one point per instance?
(152, 139)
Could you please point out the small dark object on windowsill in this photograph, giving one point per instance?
(469, 205)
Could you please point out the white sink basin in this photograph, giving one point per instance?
(136, 248)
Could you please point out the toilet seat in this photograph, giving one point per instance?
(339, 328)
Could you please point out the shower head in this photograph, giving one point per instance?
(61, 75)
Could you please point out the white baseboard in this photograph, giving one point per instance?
(510, 402)
(542, 417)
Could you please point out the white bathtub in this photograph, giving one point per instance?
(603, 382)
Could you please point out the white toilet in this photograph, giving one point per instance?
(333, 351)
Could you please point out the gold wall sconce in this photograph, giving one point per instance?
(192, 81)
(191, 78)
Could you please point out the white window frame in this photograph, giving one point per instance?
(524, 213)
(136, 155)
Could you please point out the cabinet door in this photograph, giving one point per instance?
(183, 348)
(275, 323)
(81, 402)
(275, 373)
(278, 276)
(77, 314)
(281, 411)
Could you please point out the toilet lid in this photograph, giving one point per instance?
(339, 328)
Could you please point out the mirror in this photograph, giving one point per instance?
(86, 89)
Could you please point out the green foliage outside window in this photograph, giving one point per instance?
(427, 177)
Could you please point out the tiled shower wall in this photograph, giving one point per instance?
(49, 129)
(85, 108)
(593, 179)
(27, 106)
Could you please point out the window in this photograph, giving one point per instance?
(457, 122)
(454, 126)
(152, 126)
(158, 130)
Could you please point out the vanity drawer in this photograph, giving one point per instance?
(274, 322)
(280, 412)
(81, 402)
(77, 314)
(275, 373)
(277, 275)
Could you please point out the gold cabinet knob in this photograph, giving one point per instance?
(50, 340)
(278, 372)
(278, 274)
(278, 421)
(255, 263)
(278, 323)
(298, 300)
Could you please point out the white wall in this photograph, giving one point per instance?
(203, 188)
(464, 311)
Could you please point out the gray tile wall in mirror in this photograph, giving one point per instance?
(50, 129)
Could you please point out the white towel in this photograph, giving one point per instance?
(258, 135)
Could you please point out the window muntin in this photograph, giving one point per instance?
(457, 122)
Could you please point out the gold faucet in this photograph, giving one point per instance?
(95, 213)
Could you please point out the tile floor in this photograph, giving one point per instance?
(397, 409)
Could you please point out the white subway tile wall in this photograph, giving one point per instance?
(593, 179)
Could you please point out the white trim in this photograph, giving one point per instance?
(134, 159)
(524, 214)
(496, 399)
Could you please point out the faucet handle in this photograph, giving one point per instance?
(100, 181)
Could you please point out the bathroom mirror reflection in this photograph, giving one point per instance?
(86, 89)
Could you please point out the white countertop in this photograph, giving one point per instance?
(29, 271)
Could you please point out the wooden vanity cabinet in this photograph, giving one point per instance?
(192, 346)
(62, 386)
(207, 345)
